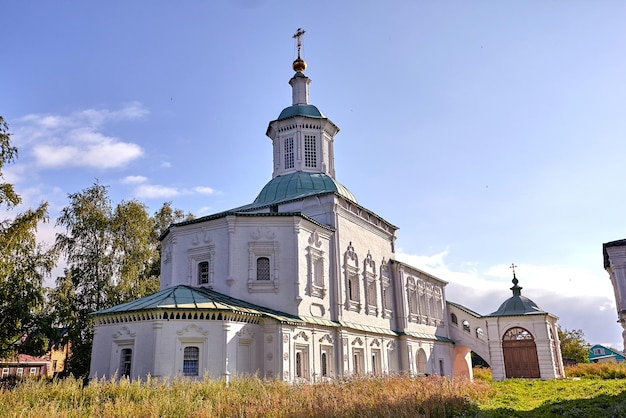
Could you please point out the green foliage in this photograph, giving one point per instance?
(112, 256)
(23, 262)
(573, 345)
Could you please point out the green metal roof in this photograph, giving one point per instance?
(517, 304)
(186, 297)
(298, 185)
(183, 297)
(307, 110)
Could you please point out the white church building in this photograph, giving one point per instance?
(302, 285)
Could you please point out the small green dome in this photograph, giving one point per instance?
(299, 185)
(301, 110)
(517, 304)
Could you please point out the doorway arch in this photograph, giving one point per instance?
(520, 354)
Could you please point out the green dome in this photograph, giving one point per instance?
(517, 304)
(301, 110)
(299, 185)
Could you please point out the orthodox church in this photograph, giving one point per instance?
(302, 285)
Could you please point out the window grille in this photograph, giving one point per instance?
(289, 160)
(310, 152)
(263, 268)
(203, 272)
(191, 357)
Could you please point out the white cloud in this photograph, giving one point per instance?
(152, 191)
(77, 140)
(204, 190)
(166, 164)
(134, 180)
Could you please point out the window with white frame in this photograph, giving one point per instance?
(33, 371)
(412, 299)
(262, 266)
(302, 362)
(385, 290)
(201, 265)
(191, 361)
(203, 272)
(358, 359)
(369, 277)
(376, 362)
(126, 356)
(327, 361)
(288, 153)
(310, 151)
(5, 371)
(351, 271)
(19, 372)
(316, 267)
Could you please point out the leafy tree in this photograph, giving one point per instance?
(112, 256)
(88, 282)
(23, 262)
(135, 252)
(573, 345)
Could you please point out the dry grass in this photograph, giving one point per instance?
(606, 370)
(398, 396)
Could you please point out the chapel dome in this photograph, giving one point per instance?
(298, 185)
(517, 304)
(307, 110)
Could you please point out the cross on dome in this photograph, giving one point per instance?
(299, 65)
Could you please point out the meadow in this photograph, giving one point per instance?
(590, 391)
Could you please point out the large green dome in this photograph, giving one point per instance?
(299, 185)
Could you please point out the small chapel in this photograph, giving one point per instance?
(302, 285)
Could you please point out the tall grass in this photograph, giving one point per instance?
(398, 396)
(607, 370)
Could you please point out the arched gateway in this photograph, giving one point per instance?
(520, 354)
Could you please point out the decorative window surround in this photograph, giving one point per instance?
(412, 299)
(267, 250)
(196, 257)
(351, 271)
(316, 267)
(385, 290)
(369, 281)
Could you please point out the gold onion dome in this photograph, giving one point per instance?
(299, 65)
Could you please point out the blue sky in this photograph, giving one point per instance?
(489, 132)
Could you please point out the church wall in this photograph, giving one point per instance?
(420, 301)
(361, 248)
(158, 347)
(315, 275)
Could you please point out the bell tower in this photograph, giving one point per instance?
(302, 136)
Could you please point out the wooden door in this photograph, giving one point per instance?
(520, 354)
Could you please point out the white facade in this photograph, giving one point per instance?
(302, 284)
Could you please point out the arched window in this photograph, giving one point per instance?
(191, 358)
(454, 319)
(517, 334)
(324, 365)
(466, 325)
(263, 268)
